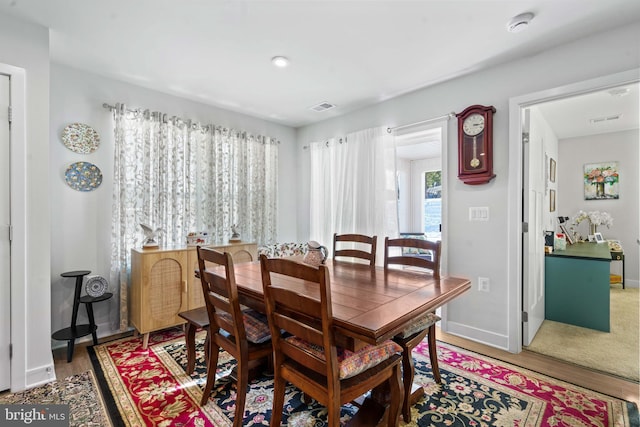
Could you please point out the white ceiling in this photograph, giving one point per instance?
(349, 53)
(603, 111)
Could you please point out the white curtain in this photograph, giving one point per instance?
(181, 177)
(354, 187)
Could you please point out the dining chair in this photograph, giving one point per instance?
(422, 254)
(244, 334)
(305, 354)
(355, 248)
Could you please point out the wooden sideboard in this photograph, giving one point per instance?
(163, 284)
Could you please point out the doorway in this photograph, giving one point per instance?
(518, 169)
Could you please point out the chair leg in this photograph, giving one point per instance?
(397, 397)
(190, 339)
(333, 408)
(433, 354)
(206, 349)
(241, 389)
(407, 381)
(278, 401)
(211, 373)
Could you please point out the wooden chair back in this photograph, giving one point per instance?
(416, 259)
(354, 252)
(298, 302)
(304, 312)
(221, 293)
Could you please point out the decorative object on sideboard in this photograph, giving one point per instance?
(150, 236)
(235, 235)
(197, 238)
(80, 138)
(83, 176)
(601, 181)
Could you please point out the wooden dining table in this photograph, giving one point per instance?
(370, 304)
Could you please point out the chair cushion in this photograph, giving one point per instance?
(420, 324)
(351, 363)
(255, 325)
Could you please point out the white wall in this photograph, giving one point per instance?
(81, 222)
(27, 46)
(621, 147)
(480, 248)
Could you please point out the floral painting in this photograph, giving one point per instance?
(601, 181)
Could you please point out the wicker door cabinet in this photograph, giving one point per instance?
(163, 284)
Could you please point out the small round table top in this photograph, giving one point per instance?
(76, 273)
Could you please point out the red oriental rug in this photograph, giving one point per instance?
(150, 388)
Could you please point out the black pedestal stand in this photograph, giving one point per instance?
(76, 331)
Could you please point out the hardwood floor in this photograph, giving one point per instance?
(587, 378)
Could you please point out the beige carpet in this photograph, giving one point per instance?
(616, 352)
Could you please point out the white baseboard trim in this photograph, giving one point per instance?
(481, 336)
(40, 375)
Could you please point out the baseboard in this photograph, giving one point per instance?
(40, 375)
(632, 283)
(481, 336)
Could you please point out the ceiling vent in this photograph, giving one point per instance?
(605, 119)
(323, 106)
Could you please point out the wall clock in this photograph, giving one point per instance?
(475, 144)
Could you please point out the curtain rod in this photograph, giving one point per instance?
(433, 119)
(112, 107)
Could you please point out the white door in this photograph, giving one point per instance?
(5, 276)
(534, 182)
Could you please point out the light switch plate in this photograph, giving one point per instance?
(479, 213)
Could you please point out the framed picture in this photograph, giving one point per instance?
(601, 181)
(552, 170)
(598, 237)
(566, 234)
(552, 200)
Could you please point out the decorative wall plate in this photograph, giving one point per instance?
(96, 286)
(83, 176)
(80, 138)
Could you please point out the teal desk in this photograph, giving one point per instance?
(577, 285)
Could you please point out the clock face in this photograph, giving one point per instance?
(473, 125)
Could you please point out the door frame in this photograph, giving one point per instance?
(514, 205)
(18, 212)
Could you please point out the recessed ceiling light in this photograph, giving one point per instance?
(519, 23)
(280, 61)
